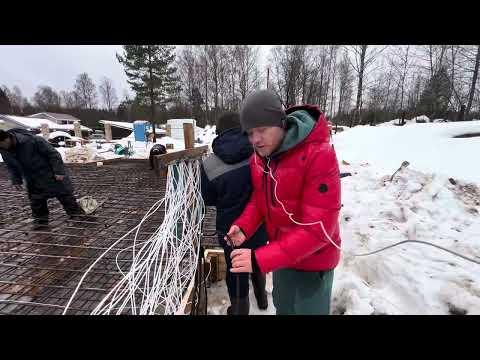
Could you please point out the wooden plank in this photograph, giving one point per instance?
(188, 135)
(164, 160)
(186, 298)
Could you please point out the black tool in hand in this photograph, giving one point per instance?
(237, 297)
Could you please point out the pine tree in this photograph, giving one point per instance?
(151, 74)
(436, 95)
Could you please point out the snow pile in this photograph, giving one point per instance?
(207, 135)
(421, 203)
(421, 119)
(80, 154)
(415, 120)
(410, 278)
(89, 152)
(428, 147)
(55, 134)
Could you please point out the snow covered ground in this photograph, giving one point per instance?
(428, 147)
(420, 203)
(141, 150)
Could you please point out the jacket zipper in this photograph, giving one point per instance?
(276, 234)
(266, 191)
(272, 185)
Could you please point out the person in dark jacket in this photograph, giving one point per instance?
(226, 184)
(31, 158)
(157, 149)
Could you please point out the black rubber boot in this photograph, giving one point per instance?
(239, 307)
(259, 281)
(40, 224)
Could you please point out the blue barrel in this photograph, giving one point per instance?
(140, 130)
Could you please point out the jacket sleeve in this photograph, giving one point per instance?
(209, 192)
(53, 156)
(13, 168)
(251, 217)
(320, 201)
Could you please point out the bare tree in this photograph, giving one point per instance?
(69, 99)
(345, 80)
(47, 99)
(212, 53)
(473, 85)
(85, 89)
(187, 69)
(246, 59)
(17, 101)
(107, 91)
(434, 56)
(364, 56)
(288, 61)
(332, 59)
(401, 63)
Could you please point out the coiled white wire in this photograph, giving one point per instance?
(163, 265)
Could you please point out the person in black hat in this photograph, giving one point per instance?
(226, 185)
(33, 159)
(157, 149)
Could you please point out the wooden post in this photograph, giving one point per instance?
(108, 132)
(78, 129)
(188, 135)
(45, 130)
(164, 160)
(168, 130)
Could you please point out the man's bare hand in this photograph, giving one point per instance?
(241, 261)
(59, 177)
(236, 235)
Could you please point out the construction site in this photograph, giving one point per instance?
(40, 269)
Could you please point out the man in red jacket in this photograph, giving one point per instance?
(296, 192)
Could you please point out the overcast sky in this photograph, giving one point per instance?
(29, 66)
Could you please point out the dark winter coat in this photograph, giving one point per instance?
(37, 162)
(226, 179)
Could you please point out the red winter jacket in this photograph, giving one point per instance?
(309, 187)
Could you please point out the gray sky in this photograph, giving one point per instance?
(29, 66)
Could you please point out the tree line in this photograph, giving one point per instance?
(353, 85)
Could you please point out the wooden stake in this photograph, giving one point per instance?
(188, 135)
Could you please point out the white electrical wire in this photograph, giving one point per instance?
(162, 266)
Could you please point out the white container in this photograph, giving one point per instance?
(176, 126)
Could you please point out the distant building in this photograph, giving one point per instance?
(122, 129)
(35, 124)
(61, 119)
